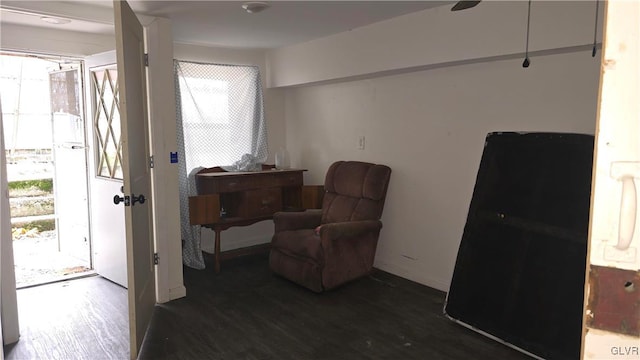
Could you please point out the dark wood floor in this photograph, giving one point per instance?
(77, 319)
(245, 312)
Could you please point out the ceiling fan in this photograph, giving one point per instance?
(465, 4)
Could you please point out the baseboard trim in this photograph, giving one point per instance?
(405, 273)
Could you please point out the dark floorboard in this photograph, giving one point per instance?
(245, 312)
(77, 319)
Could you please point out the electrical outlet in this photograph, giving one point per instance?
(361, 142)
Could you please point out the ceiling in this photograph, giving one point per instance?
(220, 23)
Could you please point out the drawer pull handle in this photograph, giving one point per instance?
(266, 201)
(233, 183)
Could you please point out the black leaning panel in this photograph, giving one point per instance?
(519, 274)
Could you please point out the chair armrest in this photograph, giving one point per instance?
(308, 219)
(346, 230)
(349, 250)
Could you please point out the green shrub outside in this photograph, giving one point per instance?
(45, 185)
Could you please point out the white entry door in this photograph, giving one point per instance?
(136, 170)
(105, 169)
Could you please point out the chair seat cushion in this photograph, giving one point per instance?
(300, 243)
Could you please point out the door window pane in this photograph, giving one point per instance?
(106, 122)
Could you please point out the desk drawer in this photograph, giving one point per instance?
(286, 179)
(261, 202)
(239, 183)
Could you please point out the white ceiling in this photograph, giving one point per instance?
(220, 23)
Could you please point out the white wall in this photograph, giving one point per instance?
(429, 126)
(434, 36)
(261, 232)
(55, 42)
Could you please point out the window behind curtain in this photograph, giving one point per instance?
(220, 119)
(221, 110)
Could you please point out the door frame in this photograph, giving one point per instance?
(164, 143)
(170, 283)
(614, 239)
(9, 325)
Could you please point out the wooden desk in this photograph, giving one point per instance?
(246, 197)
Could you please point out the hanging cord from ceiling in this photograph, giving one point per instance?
(595, 31)
(526, 62)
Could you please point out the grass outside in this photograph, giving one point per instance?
(31, 198)
(30, 188)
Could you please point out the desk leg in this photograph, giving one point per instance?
(217, 249)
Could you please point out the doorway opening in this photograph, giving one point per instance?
(45, 147)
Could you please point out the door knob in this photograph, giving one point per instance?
(129, 200)
(139, 198)
(118, 199)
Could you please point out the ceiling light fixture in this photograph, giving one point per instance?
(54, 20)
(255, 6)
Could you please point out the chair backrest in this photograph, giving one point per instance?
(354, 191)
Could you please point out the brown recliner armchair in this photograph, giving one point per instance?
(321, 249)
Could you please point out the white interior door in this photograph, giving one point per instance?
(105, 168)
(69, 156)
(136, 170)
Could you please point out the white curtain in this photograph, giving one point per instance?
(220, 119)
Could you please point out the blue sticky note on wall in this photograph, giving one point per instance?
(174, 157)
